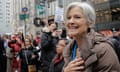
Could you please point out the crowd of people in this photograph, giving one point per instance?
(15, 50)
(19, 52)
(76, 48)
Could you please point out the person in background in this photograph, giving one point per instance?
(64, 33)
(20, 36)
(115, 39)
(5, 38)
(15, 44)
(37, 40)
(2, 56)
(88, 51)
(48, 45)
(30, 36)
(37, 45)
(58, 61)
(9, 54)
(44, 22)
(28, 54)
(61, 33)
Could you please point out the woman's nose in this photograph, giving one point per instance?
(71, 20)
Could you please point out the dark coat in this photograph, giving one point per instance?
(116, 45)
(48, 47)
(26, 56)
(56, 67)
(99, 57)
(1, 47)
(2, 56)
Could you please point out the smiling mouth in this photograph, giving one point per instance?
(74, 27)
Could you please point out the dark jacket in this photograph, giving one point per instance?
(48, 47)
(56, 64)
(99, 56)
(1, 46)
(116, 45)
(2, 57)
(26, 56)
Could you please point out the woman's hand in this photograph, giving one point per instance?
(33, 56)
(75, 65)
(54, 34)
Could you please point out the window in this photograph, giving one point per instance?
(115, 12)
(50, 0)
(7, 17)
(60, 3)
(7, 6)
(103, 16)
(8, 14)
(8, 21)
(1, 21)
(114, 1)
(7, 2)
(8, 10)
(1, 17)
(1, 13)
(99, 1)
(103, 13)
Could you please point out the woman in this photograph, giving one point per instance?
(58, 61)
(89, 51)
(28, 55)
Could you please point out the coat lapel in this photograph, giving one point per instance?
(87, 54)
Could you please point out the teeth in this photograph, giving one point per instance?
(74, 27)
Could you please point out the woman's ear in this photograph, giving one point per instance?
(91, 24)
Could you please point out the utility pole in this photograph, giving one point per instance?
(24, 11)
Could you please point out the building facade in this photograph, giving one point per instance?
(13, 19)
(6, 16)
(23, 16)
(107, 12)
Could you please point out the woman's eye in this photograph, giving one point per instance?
(77, 17)
(68, 17)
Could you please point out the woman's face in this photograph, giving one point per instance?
(52, 27)
(27, 42)
(76, 23)
(60, 46)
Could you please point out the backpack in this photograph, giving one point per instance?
(115, 43)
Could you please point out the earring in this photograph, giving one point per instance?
(88, 30)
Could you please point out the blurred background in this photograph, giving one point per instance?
(26, 15)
